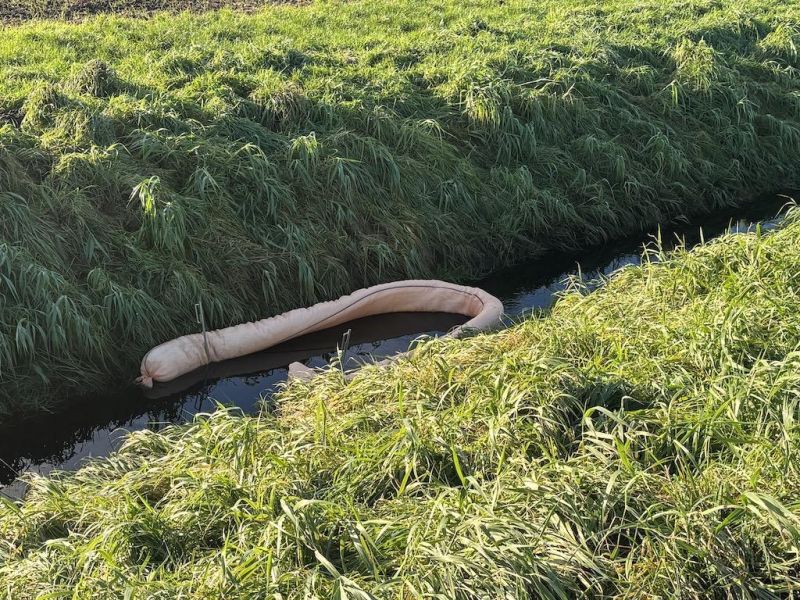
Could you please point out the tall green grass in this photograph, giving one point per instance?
(640, 441)
(262, 162)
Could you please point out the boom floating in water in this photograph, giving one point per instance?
(189, 352)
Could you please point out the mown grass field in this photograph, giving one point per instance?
(641, 441)
(259, 162)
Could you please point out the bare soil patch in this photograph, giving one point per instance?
(20, 10)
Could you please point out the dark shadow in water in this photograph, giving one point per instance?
(534, 285)
(94, 426)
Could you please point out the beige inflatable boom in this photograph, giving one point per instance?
(189, 352)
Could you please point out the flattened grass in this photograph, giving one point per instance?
(640, 441)
(262, 162)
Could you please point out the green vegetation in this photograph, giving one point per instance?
(260, 162)
(641, 441)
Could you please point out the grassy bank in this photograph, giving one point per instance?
(641, 441)
(266, 161)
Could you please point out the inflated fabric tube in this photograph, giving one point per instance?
(189, 352)
(296, 350)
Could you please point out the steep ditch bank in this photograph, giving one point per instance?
(258, 163)
(95, 425)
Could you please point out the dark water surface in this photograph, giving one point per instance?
(94, 426)
(535, 284)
